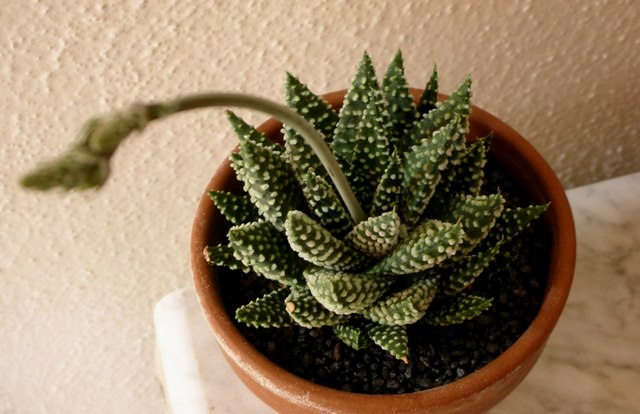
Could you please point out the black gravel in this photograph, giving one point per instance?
(438, 355)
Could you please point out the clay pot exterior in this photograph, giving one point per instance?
(477, 392)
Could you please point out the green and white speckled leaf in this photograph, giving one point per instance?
(469, 174)
(514, 220)
(317, 245)
(300, 155)
(429, 96)
(465, 178)
(422, 171)
(400, 104)
(387, 194)
(391, 338)
(353, 336)
(458, 105)
(371, 139)
(345, 293)
(267, 311)
(306, 311)
(477, 214)
(310, 106)
(223, 255)
(246, 132)
(237, 209)
(270, 183)
(376, 236)
(325, 204)
(428, 245)
(404, 307)
(460, 274)
(264, 249)
(460, 309)
(355, 102)
(371, 151)
(235, 160)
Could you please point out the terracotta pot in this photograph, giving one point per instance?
(476, 392)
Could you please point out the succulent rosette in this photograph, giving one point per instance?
(427, 228)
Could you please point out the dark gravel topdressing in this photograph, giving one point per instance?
(438, 355)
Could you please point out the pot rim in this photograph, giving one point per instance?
(286, 384)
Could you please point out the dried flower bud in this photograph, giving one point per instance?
(102, 135)
(79, 168)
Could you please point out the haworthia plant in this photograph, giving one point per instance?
(429, 232)
(368, 219)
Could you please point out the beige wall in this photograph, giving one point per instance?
(79, 274)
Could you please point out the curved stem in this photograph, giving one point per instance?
(285, 115)
(85, 165)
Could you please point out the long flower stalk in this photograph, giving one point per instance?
(86, 164)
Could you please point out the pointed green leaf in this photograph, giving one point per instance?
(354, 336)
(392, 339)
(422, 172)
(469, 174)
(223, 255)
(459, 180)
(306, 311)
(477, 214)
(300, 155)
(270, 183)
(514, 220)
(235, 160)
(428, 245)
(457, 105)
(371, 150)
(316, 245)
(462, 308)
(429, 96)
(267, 311)
(263, 248)
(325, 204)
(237, 209)
(404, 307)
(354, 104)
(460, 274)
(376, 236)
(387, 194)
(400, 104)
(246, 132)
(310, 106)
(345, 293)
(371, 140)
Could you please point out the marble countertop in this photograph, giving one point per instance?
(590, 365)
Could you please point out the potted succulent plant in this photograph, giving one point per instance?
(357, 242)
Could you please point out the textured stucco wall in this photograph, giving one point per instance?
(79, 273)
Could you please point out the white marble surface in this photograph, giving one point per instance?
(590, 365)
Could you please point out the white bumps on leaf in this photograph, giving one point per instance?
(306, 311)
(312, 107)
(261, 247)
(422, 171)
(345, 293)
(237, 209)
(404, 307)
(463, 307)
(267, 311)
(268, 179)
(428, 245)
(325, 204)
(317, 245)
(392, 339)
(376, 236)
(460, 274)
(477, 214)
(351, 335)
